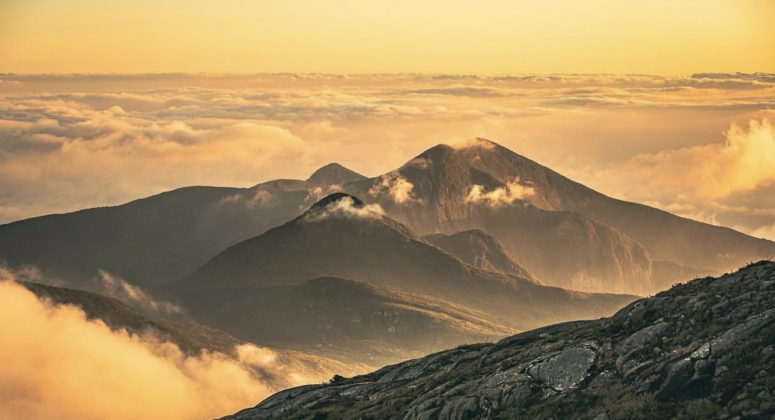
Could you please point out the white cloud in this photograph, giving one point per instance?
(475, 143)
(345, 207)
(397, 188)
(61, 365)
(743, 162)
(502, 196)
(118, 288)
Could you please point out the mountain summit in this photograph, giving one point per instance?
(341, 237)
(333, 174)
(564, 233)
(561, 232)
(484, 186)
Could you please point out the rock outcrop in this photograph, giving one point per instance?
(705, 349)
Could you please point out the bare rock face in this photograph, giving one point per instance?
(566, 369)
(705, 349)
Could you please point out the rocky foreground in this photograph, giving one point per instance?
(705, 349)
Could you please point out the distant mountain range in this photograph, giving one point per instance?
(461, 244)
(259, 286)
(561, 232)
(705, 349)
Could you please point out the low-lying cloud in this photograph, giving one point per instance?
(74, 141)
(118, 288)
(344, 207)
(713, 182)
(514, 190)
(395, 187)
(58, 364)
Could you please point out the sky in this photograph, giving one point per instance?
(667, 103)
(668, 37)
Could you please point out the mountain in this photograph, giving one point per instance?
(342, 237)
(478, 249)
(347, 320)
(684, 353)
(157, 239)
(191, 338)
(562, 232)
(333, 174)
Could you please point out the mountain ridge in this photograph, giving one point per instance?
(531, 210)
(659, 357)
(339, 238)
(447, 189)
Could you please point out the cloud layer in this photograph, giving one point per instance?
(727, 182)
(58, 364)
(69, 142)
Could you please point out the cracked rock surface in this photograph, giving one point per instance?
(705, 349)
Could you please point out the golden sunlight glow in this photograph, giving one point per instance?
(352, 36)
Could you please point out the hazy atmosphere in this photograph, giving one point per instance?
(699, 145)
(387, 209)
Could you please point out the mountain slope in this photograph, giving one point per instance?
(485, 186)
(344, 319)
(478, 249)
(562, 232)
(482, 185)
(160, 238)
(191, 338)
(426, 295)
(340, 236)
(685, 353)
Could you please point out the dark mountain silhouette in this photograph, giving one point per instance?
(685, 353)
(340, 236)
(480, 250)
(160, 238)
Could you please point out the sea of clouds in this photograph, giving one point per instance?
(700, 146)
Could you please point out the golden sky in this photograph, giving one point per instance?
(351, 36)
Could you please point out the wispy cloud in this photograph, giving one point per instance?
(394, 187)
(514, 190)
(724, 182)
(118, 288)
(345, 207)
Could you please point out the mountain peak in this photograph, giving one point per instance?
(469, 149)
(341, 205)
(476, 143)
(335, 198)
(332, 174)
